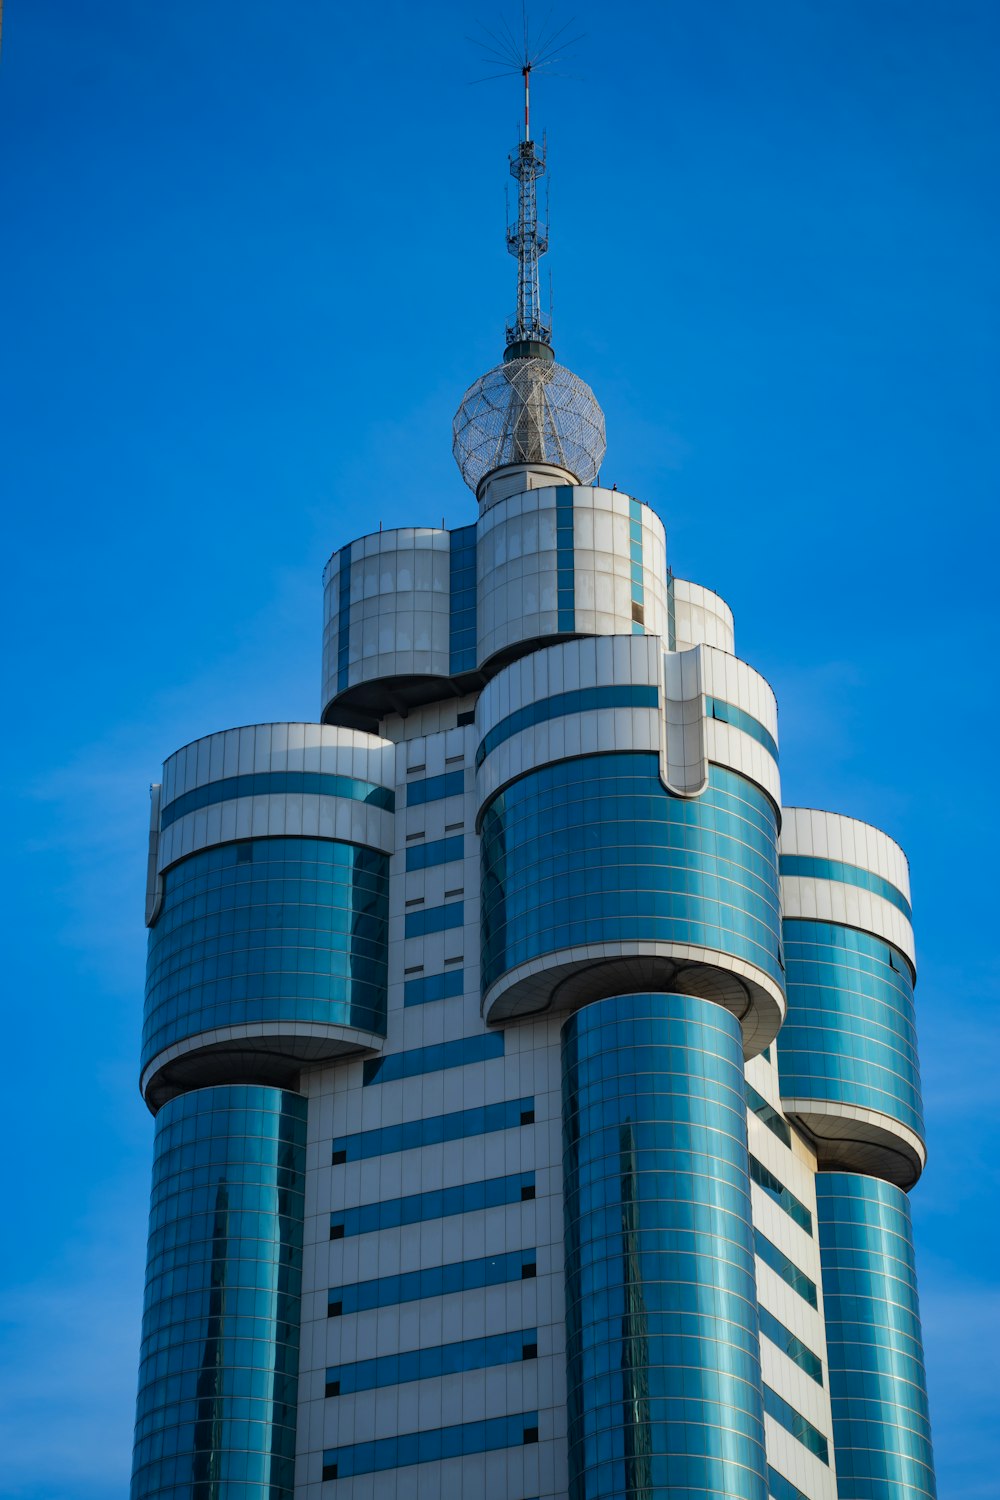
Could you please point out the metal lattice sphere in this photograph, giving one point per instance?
(528, 411)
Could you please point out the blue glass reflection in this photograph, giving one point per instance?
(878, 1389)
(663, 1354)
(266, 783)
(277, 929)
(850, 1033)
(218, 1381)
(596, 850)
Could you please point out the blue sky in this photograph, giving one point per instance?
(251, 257)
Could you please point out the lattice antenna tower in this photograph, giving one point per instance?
(530, 333)
(529, 410)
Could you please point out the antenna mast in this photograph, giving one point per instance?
(528, 240)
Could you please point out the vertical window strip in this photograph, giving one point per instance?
(343, 617)
(635, 556)
(462, 601)
(565, 561)
(671, 612)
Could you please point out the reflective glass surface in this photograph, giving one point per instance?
(794, 1422)
(410, 1135)
(218, 1381)
(769, 1115)
(850, 1034)
(789, 1343)
(428, 1363)
(836, 869)
(596, 850)
(663, 1356)
(780, 1488)
(881, 1427)
(259, 783)
(438, 1281)
(776, 1190)
(431, 1445)
(580, 700)
(435, 852)
(434, 919)
(343, 617)
(433, 788)
(462, 600)
(728, 713)
(786, 1269)
(286, 929)
(565, 560)
(434, 987)
(456, 1054)
(439, 1203)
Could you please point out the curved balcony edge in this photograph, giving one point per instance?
(568, 979)
(270, 1053)
(851, 1138)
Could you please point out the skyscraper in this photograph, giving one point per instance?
(536, 1097)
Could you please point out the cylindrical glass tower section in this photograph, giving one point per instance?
(218, 1382)
(878, 1388)
(663, 1357)
(847, 1057)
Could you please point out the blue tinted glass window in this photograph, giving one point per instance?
(433, 788)
(836, 869)
(580, 700)
(595, 850)
(430, 1445)
(439, 1203)
(462, 601)
(434, 987)
(878, 1388)
(850, 1033)
(269, 930)
(425, 1364)
(769, 1115)
(343, 617)
(436, 852)
(780, 1488)
(260, 783)
(218, 1381)
(772, 1328)
(457, 1054)
(794, 1207)
(786, 1269)
(794, 1422)
(728, 713)
(434, 919)
(412, 1134)
(438, 1281)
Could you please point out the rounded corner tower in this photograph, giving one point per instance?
(535, 1097)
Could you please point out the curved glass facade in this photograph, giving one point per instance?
(663, 1353)
(850, 1034)
(282, 929)
(596, 849)
(218, 1381)
(878, 1388)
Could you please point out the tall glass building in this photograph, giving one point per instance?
(536, 1097)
